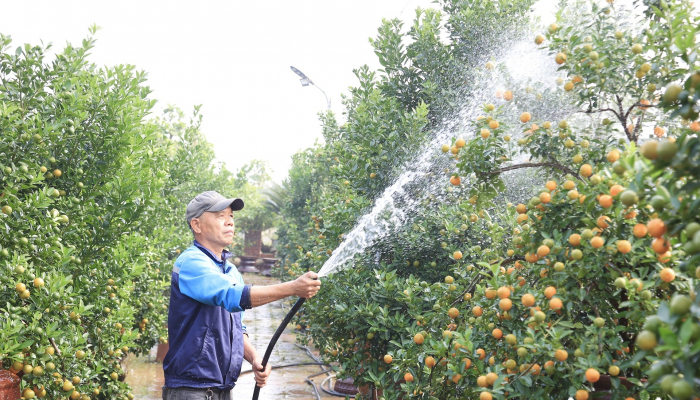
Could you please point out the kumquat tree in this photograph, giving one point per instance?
(93, 197)
(557, 252)
(518, 201)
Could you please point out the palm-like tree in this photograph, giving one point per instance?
(275, 196)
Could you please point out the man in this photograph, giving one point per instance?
(207, 297)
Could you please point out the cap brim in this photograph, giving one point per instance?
(235, 204)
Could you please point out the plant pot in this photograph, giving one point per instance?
(9, 386)
(162, 351)
(266, 267)
(247, 264)
(346, 386)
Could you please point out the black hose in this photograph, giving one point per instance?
(275, 337)
(310, 382)
(308, 378)
(325, 371)
(284, 366)
(308, 352)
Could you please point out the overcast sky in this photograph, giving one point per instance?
(233, 57)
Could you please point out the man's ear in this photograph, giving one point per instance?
(196, 228)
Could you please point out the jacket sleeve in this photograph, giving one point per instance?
(204, 282)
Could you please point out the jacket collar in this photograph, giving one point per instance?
(219, 259)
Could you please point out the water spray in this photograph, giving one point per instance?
(387, 213)
(370, 227)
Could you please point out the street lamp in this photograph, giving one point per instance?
(305, 81)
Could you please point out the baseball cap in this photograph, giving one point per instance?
(210, 201)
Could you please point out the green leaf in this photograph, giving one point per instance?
(669, 338)
(686, 331)
(525, 380)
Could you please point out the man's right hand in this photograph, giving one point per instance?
(307, 285)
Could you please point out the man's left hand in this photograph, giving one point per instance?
(261, 376)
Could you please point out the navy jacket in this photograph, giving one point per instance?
(207, 298)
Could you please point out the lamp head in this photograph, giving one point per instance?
(305, 81)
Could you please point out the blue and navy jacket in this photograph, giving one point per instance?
(207, 299)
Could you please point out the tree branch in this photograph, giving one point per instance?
(590, 111)
(615, 267)
(554, 165)
(633, 136)
(478, 279)
(63, 361)
(621, 117)
(55, 347)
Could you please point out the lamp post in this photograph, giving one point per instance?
(305, 81)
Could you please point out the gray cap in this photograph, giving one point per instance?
(210, 201)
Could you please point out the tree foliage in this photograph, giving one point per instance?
(93, 201)
(594, 274)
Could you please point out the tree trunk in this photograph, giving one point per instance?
(252, 243)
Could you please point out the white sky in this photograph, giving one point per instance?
(232, 57)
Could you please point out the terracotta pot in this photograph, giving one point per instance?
(346, 386)
(162, 351)
(9, 386)
(125, 368)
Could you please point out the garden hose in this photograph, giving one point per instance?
(275, 337)
(284, 366)
(310, 382)
(308, 378)
(271, 346)
(328, 378)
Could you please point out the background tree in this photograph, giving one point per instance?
(255, 217)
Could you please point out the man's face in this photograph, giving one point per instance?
(215, 227)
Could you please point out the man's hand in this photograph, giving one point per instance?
(307, 285)
(261, 376)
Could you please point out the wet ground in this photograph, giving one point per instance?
(146, 376)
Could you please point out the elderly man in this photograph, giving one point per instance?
(207, 297)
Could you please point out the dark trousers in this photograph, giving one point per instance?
(194, 394)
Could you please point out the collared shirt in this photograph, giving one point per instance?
(225, 254)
